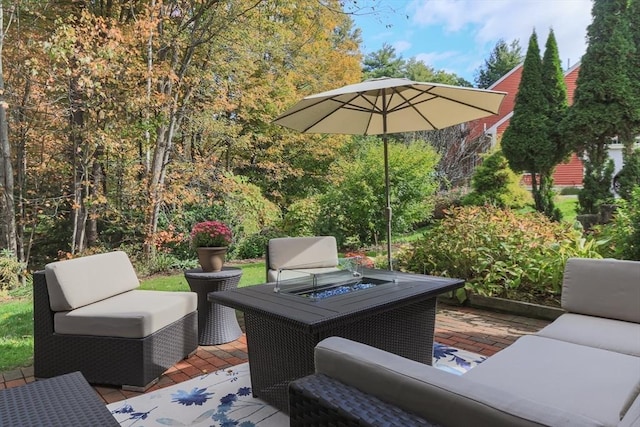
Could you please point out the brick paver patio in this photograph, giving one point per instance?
(480, 331)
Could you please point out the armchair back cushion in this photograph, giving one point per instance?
(81, 281)
(302, 252)
(602, 287)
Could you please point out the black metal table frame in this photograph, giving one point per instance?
(281, 348)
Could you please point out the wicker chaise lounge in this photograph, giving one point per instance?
(89, 317)
(582, 370)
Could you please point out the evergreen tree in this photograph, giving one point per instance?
(555, 92)
(633, 14)
(384, 63)
(604, 105)
(525, 142)
(503, 58)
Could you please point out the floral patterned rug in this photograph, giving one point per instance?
(223, 398)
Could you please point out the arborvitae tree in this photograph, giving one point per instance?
(633, 14)
(502, 59)
(526, 143)
(603, 105)
(555, 92)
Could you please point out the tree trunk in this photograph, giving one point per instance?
(7, 207)
(80, 175)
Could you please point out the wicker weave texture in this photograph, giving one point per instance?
(107, 360)
(279, 353)
(217, 324)
(67, 400)
(318, 400)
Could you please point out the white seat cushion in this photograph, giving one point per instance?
(598, 332)
(133, 314)
(575, 378)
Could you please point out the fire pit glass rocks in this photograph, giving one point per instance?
(317, 287)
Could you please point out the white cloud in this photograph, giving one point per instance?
(435, 57)
(401, 46)
(487, 21)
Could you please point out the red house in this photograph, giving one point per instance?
(568, 174)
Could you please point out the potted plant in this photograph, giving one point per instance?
(211, 240)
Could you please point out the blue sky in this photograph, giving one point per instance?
(458, 35)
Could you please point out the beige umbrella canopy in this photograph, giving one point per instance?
(389, 105)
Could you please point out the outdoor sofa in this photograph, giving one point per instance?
(90, 317)
(582, 370)
(297, 257)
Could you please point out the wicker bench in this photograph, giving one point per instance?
(89, 317)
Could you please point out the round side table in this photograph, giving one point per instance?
(217, 324)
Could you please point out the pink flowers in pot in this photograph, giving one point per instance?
(210, 234)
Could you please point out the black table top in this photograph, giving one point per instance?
(305, 313)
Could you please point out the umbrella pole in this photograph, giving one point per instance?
(386, 178)
(387, 195)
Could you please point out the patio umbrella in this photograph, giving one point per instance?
(389, 105)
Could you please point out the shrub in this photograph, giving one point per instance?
(629, 177)
(569, 191)
(498, 251)
(621, 238)
(301, 217)
(445, 200)
(162, 263)
(494, 183)
(254, 246)
(355, 205)
(10, 271)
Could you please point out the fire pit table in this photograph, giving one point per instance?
(284, 321)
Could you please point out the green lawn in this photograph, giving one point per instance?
(16, 315)
(16, 342)
(567, 205)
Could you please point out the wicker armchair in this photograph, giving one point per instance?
(122, 358)
(295, 257)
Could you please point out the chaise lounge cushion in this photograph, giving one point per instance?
(81, 281)
(597, 332)
(133, 314)
(585, 281)
(632, 417)
(438, 396)
(555, 374)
